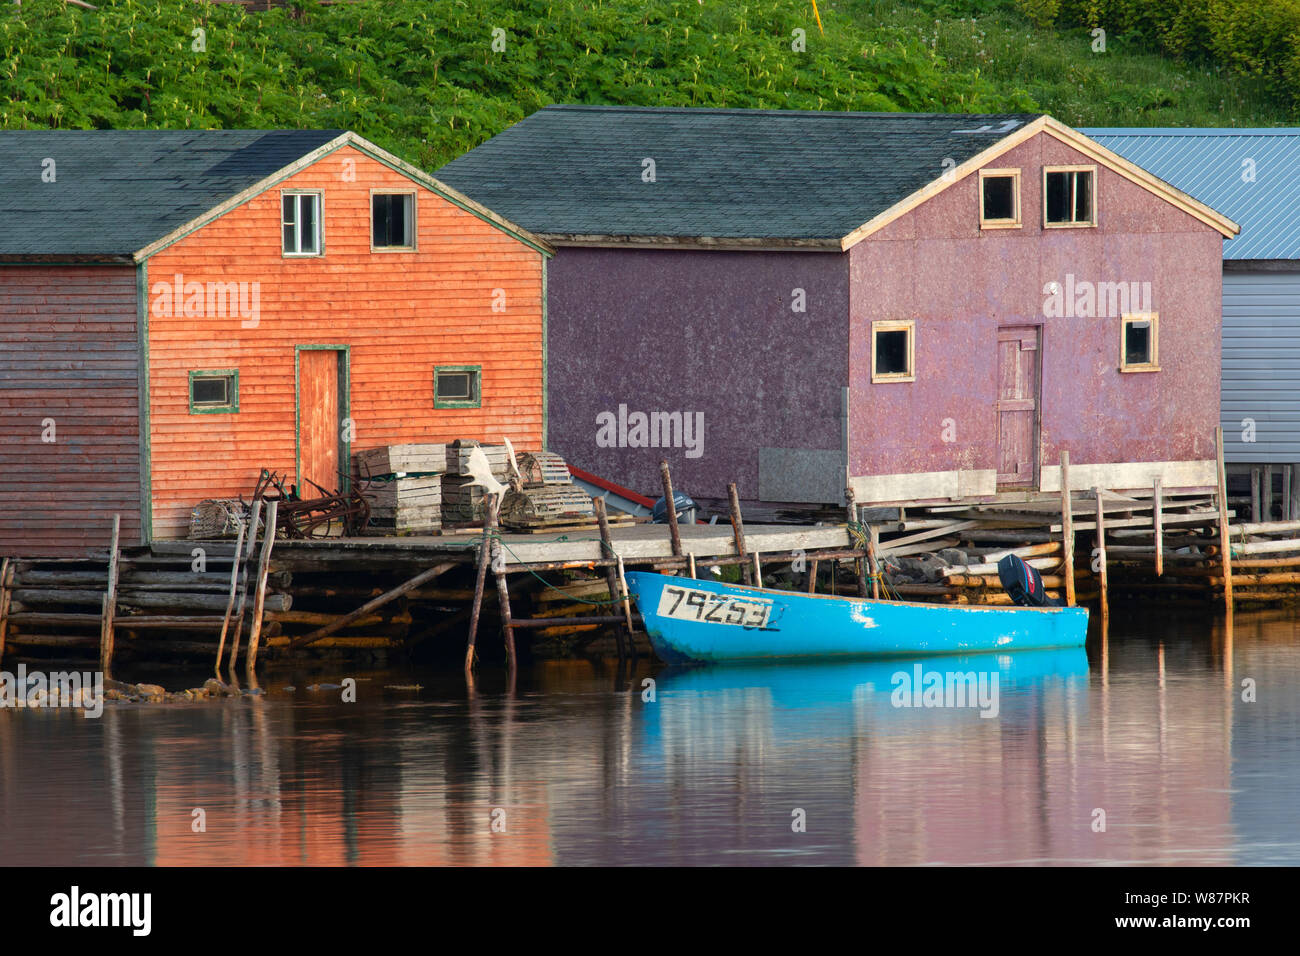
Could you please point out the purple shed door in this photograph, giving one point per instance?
(1017, 405)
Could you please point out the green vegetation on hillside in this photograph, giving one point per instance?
(430, 79)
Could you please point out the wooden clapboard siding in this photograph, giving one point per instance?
(68, 352)
(400, 313)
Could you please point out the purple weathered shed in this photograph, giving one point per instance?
(921, 307)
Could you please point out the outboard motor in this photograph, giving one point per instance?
(686, 509)
(1023, 583)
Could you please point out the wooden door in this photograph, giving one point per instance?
(1017, 406)
(320, 420)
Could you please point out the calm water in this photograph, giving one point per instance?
(577, 768)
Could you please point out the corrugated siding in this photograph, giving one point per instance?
(1261, 366)
(68, 352)
(402, 314)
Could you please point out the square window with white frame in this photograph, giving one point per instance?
(1069, 196)
(893, 351)
(300, 219)
(1139, 342)
(392, 220)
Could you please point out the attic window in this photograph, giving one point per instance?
(999, 198)
(1139, 342)
(893, 351)
(301, 223)
(392, 220)
(1069, 196)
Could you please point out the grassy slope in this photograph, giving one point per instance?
(1125, 86)
(420, 76)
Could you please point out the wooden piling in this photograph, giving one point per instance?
(691, 565)
(622, 636)
(5, 573)
(859, 563)
(1101, 553)
(230, 602)
(1225, 542)
(1256, 514)
(1067, 528)
(503, 589)
(1266, 493)
(758, 571)
(484, 556)
(110, 604)
(249, 548)
(671, 505)
(738, 529)
(1287, 472)
(872, 561)
(259, 601)
(1157, 520)
(812, 576)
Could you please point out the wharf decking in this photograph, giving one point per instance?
(637, 544)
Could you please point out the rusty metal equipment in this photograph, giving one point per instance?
(329, 515)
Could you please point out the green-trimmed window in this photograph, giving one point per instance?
(214, 391)
(457, 386)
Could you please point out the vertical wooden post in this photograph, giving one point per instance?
(1067, 528)
(230, 601)
(1266, 496)
(1225, 538)
(812, 577)
(110, 605)
(1158, 521)
(1286, 493)
(1101, 551)
(690, 560)
(738, 529)
(259, 600)
(673, 533)
(249, 547)
(4, 605)
(627, 606)
(484, 556)
(758, 571)
(503, 588)
(859, 564)
(622, 636)
(1255, 511)
(875, 565)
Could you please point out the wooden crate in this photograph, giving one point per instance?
(458, 458)
(462, 500)
(405, 492)
(424, 459)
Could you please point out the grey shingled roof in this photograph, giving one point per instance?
(720, 173)
(117, 191)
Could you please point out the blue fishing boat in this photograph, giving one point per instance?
(691, 620)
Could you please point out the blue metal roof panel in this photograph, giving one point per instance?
(1252, 176)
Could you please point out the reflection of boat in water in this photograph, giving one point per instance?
(715, 710)
(833, 683)
(689, 619)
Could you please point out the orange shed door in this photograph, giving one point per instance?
(321, 377)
